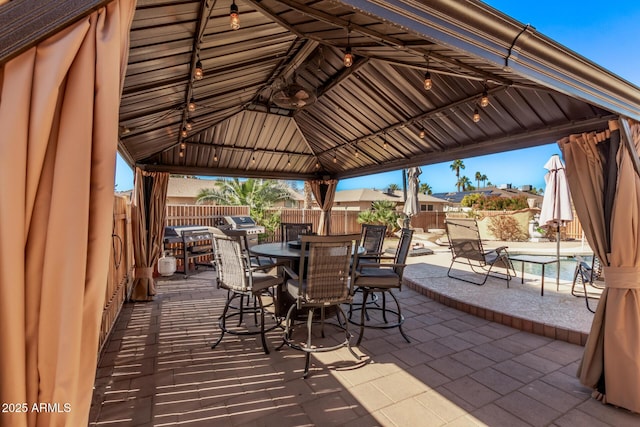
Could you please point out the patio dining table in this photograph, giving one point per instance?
(284, 251)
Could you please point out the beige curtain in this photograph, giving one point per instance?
(605, 187)
(324, 191)
(59, 118)
(148, 220)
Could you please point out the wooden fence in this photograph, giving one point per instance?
(121, 262)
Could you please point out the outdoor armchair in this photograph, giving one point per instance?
(466, 248)
(383, 278)
(318, 289)
(290, 231)
(250, 284)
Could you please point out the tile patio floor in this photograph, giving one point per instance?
(157, 369)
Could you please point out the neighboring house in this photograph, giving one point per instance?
(184, 191)
(363, 197)
(454, 198)
(296, 200)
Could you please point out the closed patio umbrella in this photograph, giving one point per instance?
(556, 205)
(411, 207)
(604, 172)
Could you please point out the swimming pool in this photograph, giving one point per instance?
(567, 267)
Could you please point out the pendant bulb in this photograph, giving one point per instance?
(476, 115)
(198, 73)
(428, 83)
(234, 17)
(484, 101)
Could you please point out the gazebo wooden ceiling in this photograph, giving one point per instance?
(366, 118)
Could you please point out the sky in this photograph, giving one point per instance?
(603, 32)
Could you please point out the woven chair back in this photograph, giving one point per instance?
(231, 263)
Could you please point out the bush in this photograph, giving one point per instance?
(494, 203)
(382, 212)
(506, 228)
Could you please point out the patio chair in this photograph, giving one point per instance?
(587, 274)
(466, 248)
(290, 231)
(381, 277)
(235, 273)
(318, 289)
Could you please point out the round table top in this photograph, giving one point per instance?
(282, 250)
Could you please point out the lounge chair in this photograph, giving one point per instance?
(587, 274)
(466, 248)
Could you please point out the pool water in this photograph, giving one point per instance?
(567, 268)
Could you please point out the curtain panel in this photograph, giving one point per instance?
(324, 191)
(604, 179)
(148, 220)
(59, 106)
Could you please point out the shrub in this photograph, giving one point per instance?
(506, 228)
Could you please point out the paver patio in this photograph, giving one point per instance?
(459, 370)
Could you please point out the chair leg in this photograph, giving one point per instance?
(223, 319)
(384, 307)
(400, 318)
(308, 354)
(288, 328)
(262, 335)
(365, 294)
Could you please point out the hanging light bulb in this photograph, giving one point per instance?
(183, 145)
(288, 161)
(317, 164)
(181, 154)
(253, 159)
(335, 159)
(192, 105)
(357, 153)
(484, 101)
(476, 115)
(384, 141)
(422, 134)
(234, 16)
(215, 156)
(348, 56)
(428, 83)
(198, 74)
(189, 125)
(184, 133)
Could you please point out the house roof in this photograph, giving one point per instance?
(369, 195)
(188, 187)
(367, 118)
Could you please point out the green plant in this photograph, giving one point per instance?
(382, 212)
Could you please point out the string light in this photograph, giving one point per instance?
(181, 154)
(192, 105)
(183, 145)
(234, 16)
(348, 56)
(215, 156)
(422, 134)
(476, 115)
(335, 159)
(198, 73)
(184, 132)
(253, 159)
(484, 101)
(357, 153)
(384, 141)
(288, 161)
(317, 164)
(428, 83)
(189, 125)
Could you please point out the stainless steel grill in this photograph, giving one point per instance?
(245, 223)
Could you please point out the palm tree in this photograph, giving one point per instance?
(258, 194)
(308, 199)
(393, 187)
(463, 182)
(425, 188)
(484, 179)
(455, 166)
(478, 178)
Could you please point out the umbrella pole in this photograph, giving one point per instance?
(558, 256)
